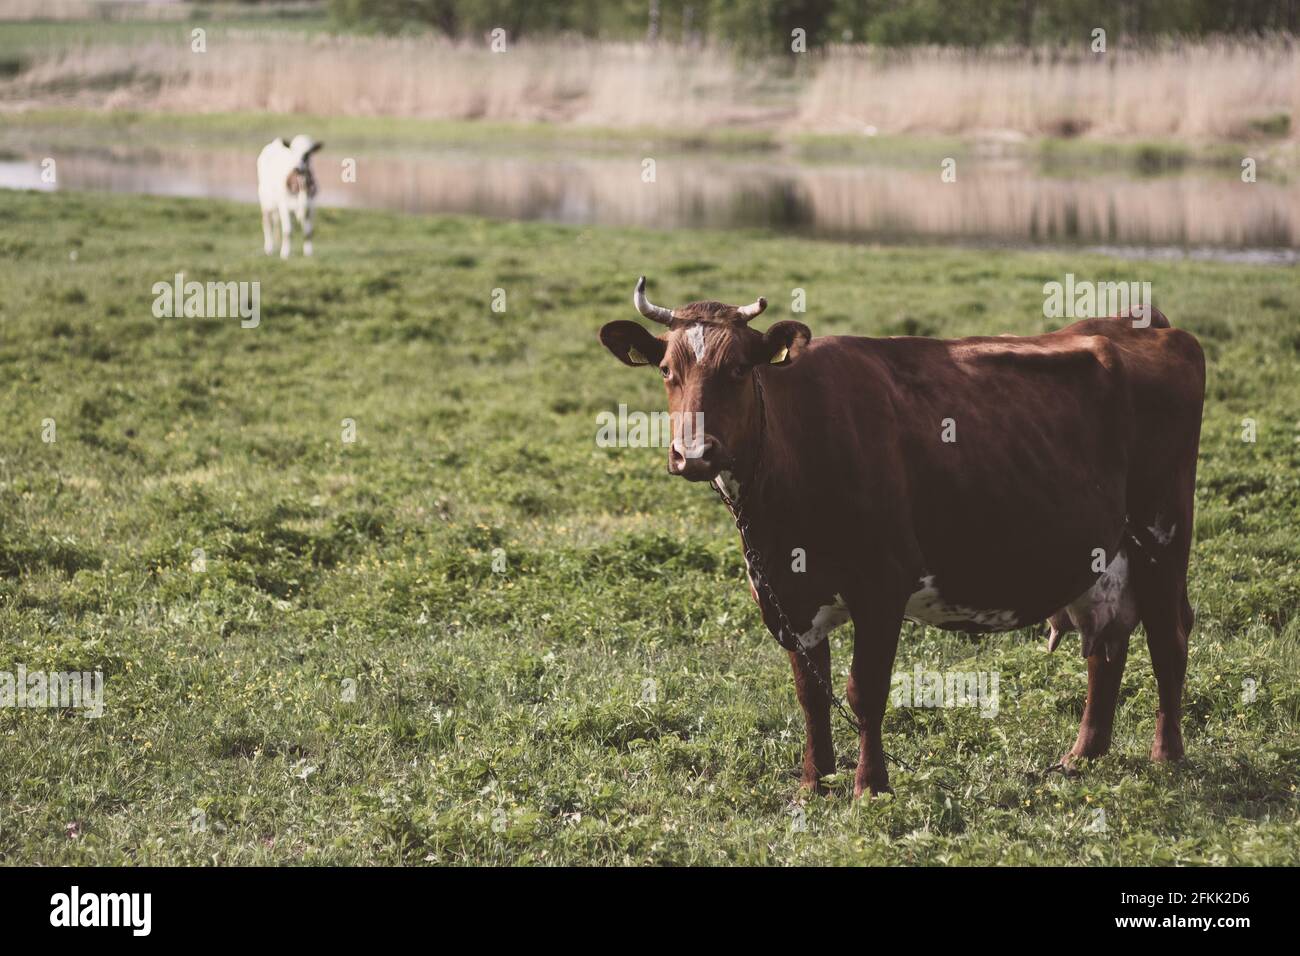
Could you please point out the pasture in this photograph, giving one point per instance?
(345, 679)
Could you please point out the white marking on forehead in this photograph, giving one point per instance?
(695, 336)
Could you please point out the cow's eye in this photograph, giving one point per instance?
(739, 371)
(664, 370)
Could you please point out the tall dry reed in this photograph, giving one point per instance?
(94, 10)
(1212, 90)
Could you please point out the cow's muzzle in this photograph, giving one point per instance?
(700, 461)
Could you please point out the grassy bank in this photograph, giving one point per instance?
(506, 717)
(78, 129)
(73, 128)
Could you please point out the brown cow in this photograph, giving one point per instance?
(972, 484)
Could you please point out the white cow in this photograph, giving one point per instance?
(285, 185)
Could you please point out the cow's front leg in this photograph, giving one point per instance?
(875, 642)
(819, 748)
(286, 230)
(1104, 627)
(268, 231)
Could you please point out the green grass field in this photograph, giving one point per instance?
(502, 717)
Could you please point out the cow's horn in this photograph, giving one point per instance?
(646, 307)
(752, 311)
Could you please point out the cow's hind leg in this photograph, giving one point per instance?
(1105, 675)
(305, 217)
(1105, 617)
(1167, 624)
(819, 749)
(1167, 617)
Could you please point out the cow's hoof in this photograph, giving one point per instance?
(1072, 763)
(1167, 753)
(284, 253)
(868, 791)
(814, 785)
(269, 250)
(813, 780)
(871, 787)
(306, 248)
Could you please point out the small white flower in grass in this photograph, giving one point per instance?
(1249, 688)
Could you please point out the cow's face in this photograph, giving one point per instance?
(302, 146)
(708, 359)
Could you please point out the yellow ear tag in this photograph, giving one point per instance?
(780, 356)
(635, 356)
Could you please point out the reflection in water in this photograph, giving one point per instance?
(992, 202)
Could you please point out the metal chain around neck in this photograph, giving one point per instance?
(785, 633)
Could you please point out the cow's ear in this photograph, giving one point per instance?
(785, 339)
(314, 147)
(631, 343)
